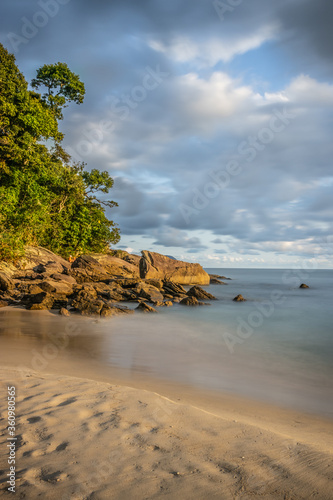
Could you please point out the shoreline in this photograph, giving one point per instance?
(226, 449)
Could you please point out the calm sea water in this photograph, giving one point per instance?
(277, 346)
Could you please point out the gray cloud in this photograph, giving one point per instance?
(193, 122)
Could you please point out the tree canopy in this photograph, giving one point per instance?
(45, 198)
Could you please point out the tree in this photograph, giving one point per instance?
(62, 86)
(45, 199)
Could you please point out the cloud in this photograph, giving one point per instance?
(209, 52)
(170, 237)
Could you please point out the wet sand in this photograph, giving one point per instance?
(83, 433)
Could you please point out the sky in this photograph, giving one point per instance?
(214, 119)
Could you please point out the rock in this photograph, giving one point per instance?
(59, 287)
(303, 285)
(173, 289)
(156, 283)
(3, 303)
(143, 307)
(117, 267)
(127, 257)
(149, 292)
(218, 277)
(40, 301)
(49, 268)
(87, 269)
(126, 282)
(63, 277)
(64, 312)
(189, 301)
(199, 293)
(216, 281)
(88, 307)
(108, 311)
(239, 298)
(39, 255)
(6, 282)
(157, 266)
(167, 303)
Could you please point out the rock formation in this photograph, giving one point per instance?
(157, 266)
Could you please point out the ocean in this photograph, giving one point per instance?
(276, 347)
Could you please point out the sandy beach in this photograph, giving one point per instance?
(84, 439)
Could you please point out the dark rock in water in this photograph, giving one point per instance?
(109, 311)
(6, 283)
(200, 293)
(216, 281)
(303, 285)
(239, 298)
(143, 307)
(218, 277)
(64, 312)
(88, 307)
(173, 289)
(189, 301)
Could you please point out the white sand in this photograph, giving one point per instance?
(81, 439)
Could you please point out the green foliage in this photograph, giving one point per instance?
(62, 86)
(44, 199)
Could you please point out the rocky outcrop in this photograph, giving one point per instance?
(97, 284)
(200, 294)
(157, 266)
(118, 267)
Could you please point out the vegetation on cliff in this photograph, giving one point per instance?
(45, 198)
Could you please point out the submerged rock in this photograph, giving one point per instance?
(303, 285)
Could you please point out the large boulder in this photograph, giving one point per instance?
(200, 293)
(155, 265)
(117, 267)
(35, 256)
